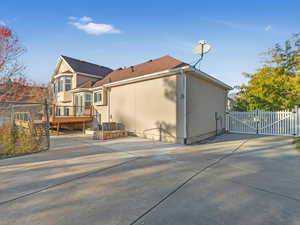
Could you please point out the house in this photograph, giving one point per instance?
(161, 99)
(19, 92)
(73, 74)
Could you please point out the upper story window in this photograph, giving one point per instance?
(87, 99)
(55, 87)
(97, 97)
(68, 83)
(63, 83)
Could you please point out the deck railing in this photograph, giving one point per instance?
(71, 111)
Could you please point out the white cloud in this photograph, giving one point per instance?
(85, 19)
(85, 24)
(2, 23)
(268, 28)
(72, 18)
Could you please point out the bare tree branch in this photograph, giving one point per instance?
(10, 52)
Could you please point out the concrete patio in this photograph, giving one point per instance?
(234, 179)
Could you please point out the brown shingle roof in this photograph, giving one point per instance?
(22, 93)
(87, 84)
(152, 66)
(86, 67)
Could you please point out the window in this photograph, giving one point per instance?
(58, 85)
(54, 87)
(63, 84)
(97, 97)
(68, 83)
(66, 111)
(87, 99)
(57, 111)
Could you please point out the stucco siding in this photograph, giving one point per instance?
(204, 99)
(101, 113)
(63, 68)
(146, 108)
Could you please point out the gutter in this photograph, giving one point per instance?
(169, 72)
(146, 77)
(80, 89)
(210, 78)
(158, 75)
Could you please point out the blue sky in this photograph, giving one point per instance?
(122, 33)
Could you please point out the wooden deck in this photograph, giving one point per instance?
(69, 121)
(25, 119)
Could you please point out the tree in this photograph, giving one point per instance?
(276, 85)
(10, 52)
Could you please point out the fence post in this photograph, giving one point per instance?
(227, 121)
(297, 119)
(13, 130)
(47, 124)
(216, 118)
(257, 122)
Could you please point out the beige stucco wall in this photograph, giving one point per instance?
(204, 99)
(64, 67)
(64, 98)
(101, 113)
(146, 108)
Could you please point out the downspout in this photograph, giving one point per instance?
(185, 136)
(108, 104)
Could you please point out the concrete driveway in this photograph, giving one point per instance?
(235, 179)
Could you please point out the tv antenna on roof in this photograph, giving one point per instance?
(201, 48)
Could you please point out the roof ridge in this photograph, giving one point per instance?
(64, 56)
(151, 60)
(151, 66)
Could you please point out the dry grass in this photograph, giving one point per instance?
(297, 143)
(18, 142)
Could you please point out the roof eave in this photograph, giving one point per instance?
(80, 90)
(146, 77)
(210, 78)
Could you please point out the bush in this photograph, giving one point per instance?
(18, 141)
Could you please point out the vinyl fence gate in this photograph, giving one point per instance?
(264, 122)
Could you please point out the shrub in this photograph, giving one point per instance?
(16, 141)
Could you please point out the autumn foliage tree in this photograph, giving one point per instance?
(13, 82)
(10, 52)
(276, 85)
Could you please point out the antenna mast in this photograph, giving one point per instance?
(201, 49)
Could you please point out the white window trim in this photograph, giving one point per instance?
(98, 102)
(58, 79)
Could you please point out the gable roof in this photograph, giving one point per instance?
(152, 66)
(80, 66)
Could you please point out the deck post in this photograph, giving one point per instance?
(57, 129)
(53, 111)
(83, 128)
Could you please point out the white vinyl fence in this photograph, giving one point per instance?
(264, 122)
